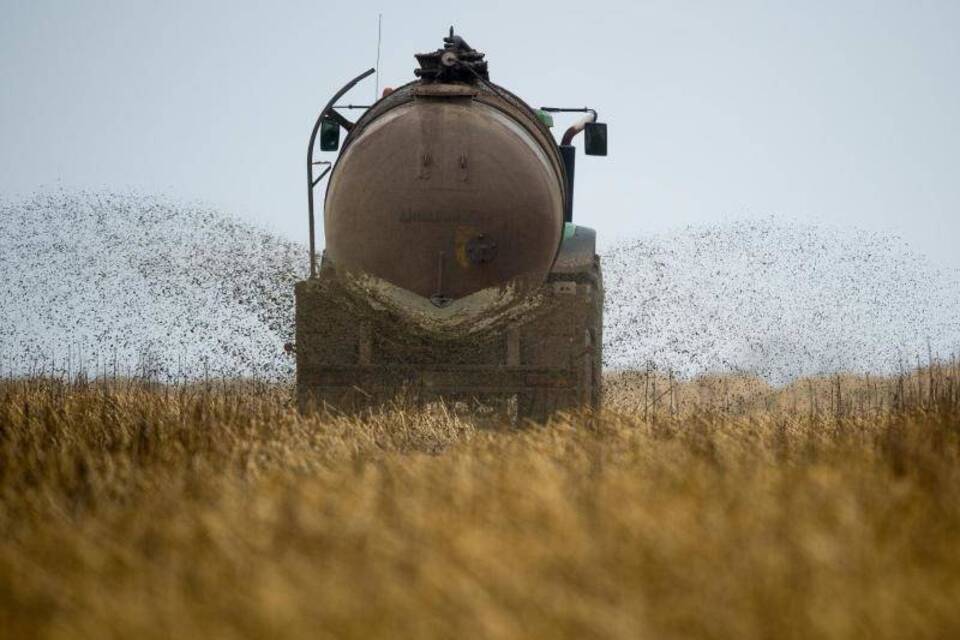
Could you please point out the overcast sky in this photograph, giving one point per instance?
(844, 112)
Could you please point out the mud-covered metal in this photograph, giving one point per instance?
(431, 168)
(578, 251)
(358, 349)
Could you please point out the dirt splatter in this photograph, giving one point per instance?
(140, 284)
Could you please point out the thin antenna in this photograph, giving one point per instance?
(376, 86)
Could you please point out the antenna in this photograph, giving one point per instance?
(376, 86)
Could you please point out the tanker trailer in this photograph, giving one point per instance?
(452, 267)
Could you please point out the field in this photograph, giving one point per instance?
(716, 508)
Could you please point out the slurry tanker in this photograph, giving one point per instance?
(453, 268)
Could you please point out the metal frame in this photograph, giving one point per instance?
(311, 181)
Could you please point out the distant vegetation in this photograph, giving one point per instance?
(714, 508)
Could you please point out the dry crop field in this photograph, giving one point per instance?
(718, 508)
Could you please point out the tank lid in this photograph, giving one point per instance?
(455, 62)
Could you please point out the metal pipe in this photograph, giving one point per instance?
(566, 109)
(578, 126)
(310, 181)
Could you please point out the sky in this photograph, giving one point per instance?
(846, 113)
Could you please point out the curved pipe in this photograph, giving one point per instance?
(310, 181)
(577, 127)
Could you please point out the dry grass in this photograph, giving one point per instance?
(827, 509)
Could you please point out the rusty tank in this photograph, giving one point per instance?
(452, 267)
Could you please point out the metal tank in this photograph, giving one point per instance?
(452, 266)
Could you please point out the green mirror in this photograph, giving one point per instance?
(595, 139)
(329, 135)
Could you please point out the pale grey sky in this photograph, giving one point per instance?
(845, 112)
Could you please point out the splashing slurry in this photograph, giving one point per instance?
(99, 281)
(779, 300)
(104, 281)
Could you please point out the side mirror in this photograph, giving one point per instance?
(595, 139)
(329, 135)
